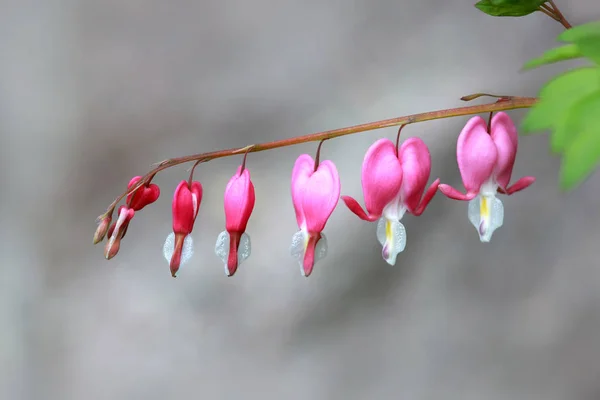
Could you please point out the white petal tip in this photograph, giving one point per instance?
(186, 252)
(222, 249)
(391, 234)
(486, 214)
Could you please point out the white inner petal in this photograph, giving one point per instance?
(186, 252)
(222, 246)
(244, 248)
(381, 237)
(321, 248)
(391, 234)
(486, 214)
(395, 209)
(298, 245)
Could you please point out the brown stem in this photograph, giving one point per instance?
(191, 178)
(489, 124)
(561, 17)
(553, 12)
(547, 8)
(398, 138)
(477, 95)
(244, 161)
(318, 157)
(549, 13)
(510, 104)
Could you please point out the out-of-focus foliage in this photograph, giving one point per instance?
(509, 8)
(570, 105)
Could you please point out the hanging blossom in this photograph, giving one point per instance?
(178, 247)
(485, 161)
(233, 244)
(143, 196)
(315, 194)
(393, 182)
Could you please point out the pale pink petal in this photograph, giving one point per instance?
(196, 196)
(504, 135)
(321, 195)
(239, 201)
(476, 155)
(303, 168)
(353, 205)
(381, 176)
(427, 198)
(415, 160)
(454, 194)
(521, 184)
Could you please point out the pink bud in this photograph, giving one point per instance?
(102, 229)
(117, 231)
(238, 203)
(186, 203)
(144, 195)
(185, 206)
(315, 195)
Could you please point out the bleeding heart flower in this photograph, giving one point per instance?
(144, 195)
(178, 247)
(233, 244)
(315, 193)
(393, 183)
(137, 200)
(485, 161)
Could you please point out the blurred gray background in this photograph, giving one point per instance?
(92, 92)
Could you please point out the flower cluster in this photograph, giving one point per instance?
(394, 182)
(137, 200)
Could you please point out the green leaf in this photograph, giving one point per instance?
(556, 98)
(580, 32)
(563, 53)
(509, 8)
(565, 128)
(587, 39)
(582, 155)
(590, 47)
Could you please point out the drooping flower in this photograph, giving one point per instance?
(140, 198)
(315, 194)
(393, 183)
(144, 195)
(233, 244)
(485, 161)
(117, 231)
(178, 247)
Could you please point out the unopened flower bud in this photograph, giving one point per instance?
(178, 247)
(233, 244)
(102, 229)
(117, 231)
(144, 195)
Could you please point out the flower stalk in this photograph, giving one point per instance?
(504, 103)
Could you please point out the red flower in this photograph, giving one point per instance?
(144, 195)
(233, 244)
(186, 203)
